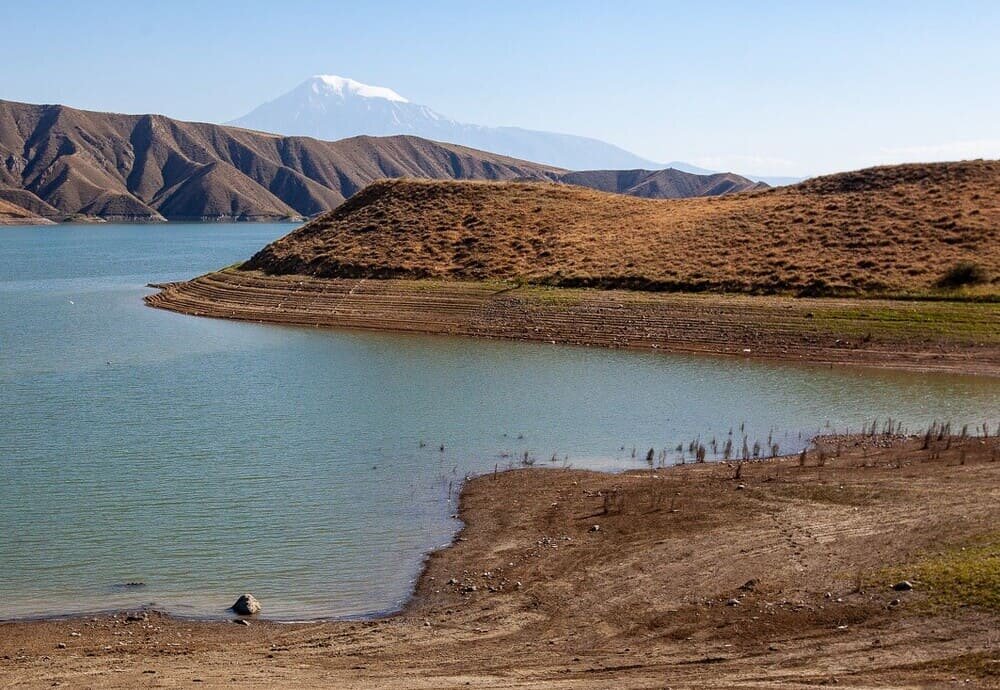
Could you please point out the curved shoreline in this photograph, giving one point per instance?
(903, 334)
(532, 594)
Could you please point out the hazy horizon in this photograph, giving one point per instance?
(781, 90)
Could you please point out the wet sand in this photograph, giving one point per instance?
(678, 577)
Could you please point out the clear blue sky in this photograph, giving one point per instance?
(759, 87)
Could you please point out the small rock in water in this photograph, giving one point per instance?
(595, 528)
(904, 586)
(242, 621)
(246, 605)
(733, 602)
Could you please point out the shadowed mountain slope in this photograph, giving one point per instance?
(60, 162)
(11, 214)
(150, 167)
(893, 229)
(661, 184)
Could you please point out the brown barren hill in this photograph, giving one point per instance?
(661, 184)
(901, 229)
(894, 267)
(10, 214)
(62, 162)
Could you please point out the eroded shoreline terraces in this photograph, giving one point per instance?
(895, 266)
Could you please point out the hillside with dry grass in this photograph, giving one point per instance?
(902, 229)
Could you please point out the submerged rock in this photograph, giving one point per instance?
(246, 605)
(904, 586)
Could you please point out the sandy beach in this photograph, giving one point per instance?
(771, 574)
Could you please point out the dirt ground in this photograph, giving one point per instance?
(952, 337)
(678, 577)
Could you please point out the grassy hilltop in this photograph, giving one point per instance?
(921, 229)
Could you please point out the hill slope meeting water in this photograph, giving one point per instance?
(11, 214)
(899, 265)
(63, 163)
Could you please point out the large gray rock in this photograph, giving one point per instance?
(247, 605)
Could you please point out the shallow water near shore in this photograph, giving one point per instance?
(204, 458)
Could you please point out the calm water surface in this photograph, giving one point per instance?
(206, 458)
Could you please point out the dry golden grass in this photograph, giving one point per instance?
(897, 229)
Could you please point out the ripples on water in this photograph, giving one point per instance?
(205, 458)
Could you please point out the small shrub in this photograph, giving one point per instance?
(963, 273)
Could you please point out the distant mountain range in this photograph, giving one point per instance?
(59, 162)
(330, 107)
(661, 184)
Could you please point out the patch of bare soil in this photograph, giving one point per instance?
(924, 336)
(772, 574)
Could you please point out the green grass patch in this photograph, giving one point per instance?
(965, 322)
(967, 576)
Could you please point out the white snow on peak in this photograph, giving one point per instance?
(343, 86)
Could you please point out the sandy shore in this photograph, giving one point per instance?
(683, 577)
(923, 336)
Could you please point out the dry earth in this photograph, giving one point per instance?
(919, 335)
(680, 577)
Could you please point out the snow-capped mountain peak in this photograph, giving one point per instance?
(343, 86)
(331, 107)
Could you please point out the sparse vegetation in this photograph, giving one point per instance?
(962, 274)
(964, 576)
(802, 240)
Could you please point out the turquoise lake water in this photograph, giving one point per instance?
(205, 458)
